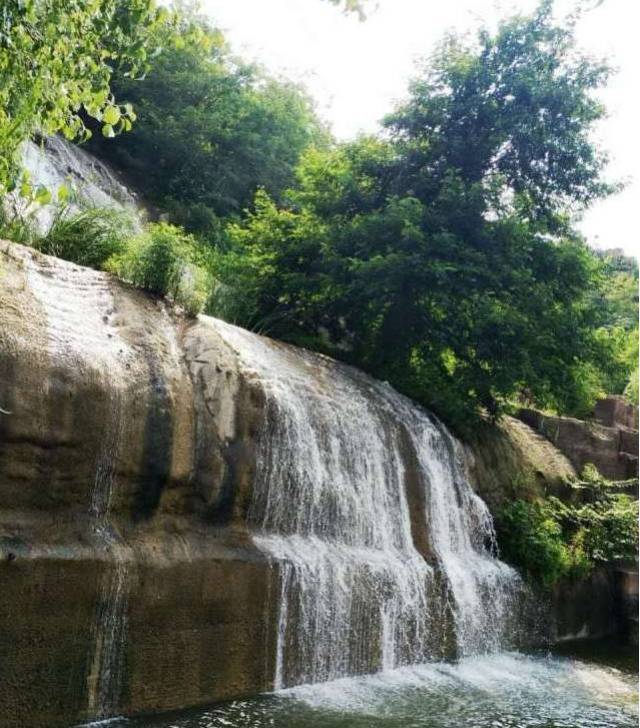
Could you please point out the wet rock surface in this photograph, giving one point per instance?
(108, 456)
(142, 540)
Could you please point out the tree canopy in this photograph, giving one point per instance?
(56, 61)
(211, 130)
(442, 256)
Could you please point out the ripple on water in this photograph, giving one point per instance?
(508, 690)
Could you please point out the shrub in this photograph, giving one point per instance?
(88, 237)
(631, 390)
(530, 538)
(549, 539)
(20, 228)
(166, 261)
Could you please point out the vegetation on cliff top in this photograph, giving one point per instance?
(56, 62)
(440, 256)
(211, 130)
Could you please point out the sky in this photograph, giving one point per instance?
(357, 71)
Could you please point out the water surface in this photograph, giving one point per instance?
(508, 690)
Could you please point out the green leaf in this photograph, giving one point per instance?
(43, 196)
(107, 131)
(63, 193)
(111, 115)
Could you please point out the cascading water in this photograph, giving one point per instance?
(486, 593)
(330, 506)
(105, 676)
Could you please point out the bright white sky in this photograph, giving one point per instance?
(356, 71)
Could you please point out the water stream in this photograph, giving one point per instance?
(331, 506)
(104, 680)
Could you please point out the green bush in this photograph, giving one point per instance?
(631, 390)
(549, 539)
(166, 261)
(161, 259)
(88, 237)
(530, 538)
(607, 522)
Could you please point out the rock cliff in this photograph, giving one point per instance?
(612, 448)
(120, 418)
(129, 575)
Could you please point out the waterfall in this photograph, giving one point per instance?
(105, 677)
(486, 593)
(330, 507)
(104, 680)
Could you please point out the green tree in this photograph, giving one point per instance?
(513, 113)
(443, 258)
(56, 62)
(618, 295)
(211, 130)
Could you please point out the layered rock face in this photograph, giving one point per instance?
(53, 163)
(612, 448)
(125, 448)
(189, 512)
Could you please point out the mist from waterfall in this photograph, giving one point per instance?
(330, 506)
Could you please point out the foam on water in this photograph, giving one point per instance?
(503, 690)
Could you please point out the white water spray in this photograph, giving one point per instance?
(330, 506)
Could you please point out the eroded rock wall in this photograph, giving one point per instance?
(127, 461)
(511, 460)
(613, 450)
(126, 438)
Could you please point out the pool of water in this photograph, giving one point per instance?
(507, 690)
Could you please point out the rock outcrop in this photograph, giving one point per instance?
(511, 460)
(616, 411)
(612, 449)
(119, 442)
(52, 163)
